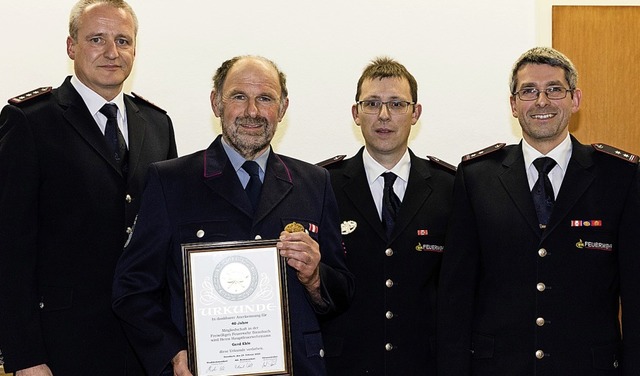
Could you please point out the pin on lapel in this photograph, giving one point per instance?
(347, 227)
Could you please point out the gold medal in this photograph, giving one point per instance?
(294, 227)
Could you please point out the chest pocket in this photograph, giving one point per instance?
(208, 231)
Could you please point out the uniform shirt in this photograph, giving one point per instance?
(94, 103)
(374, 170)
(561, 154)
(237, 160)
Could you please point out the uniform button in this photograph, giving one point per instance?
(41, 305)
(200, 233)
(129, 230)
(540, 321)
(615, 364)
(388, 252)
(389, 283)
(539, 354)
(322, 353)
(388, 347)
(541, 286)
(258, 237)
(542, 252)
(128, 199)
(389, 315)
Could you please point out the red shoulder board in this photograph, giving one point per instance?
(331, 161)
(442, 163)
(484, 151)
(142, 99)
(29, 95)
(604, 148)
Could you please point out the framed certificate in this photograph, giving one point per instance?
(237, 309)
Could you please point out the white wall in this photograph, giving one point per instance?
(460, 51)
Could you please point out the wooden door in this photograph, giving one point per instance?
(604, 44)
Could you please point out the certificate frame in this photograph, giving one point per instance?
(237, 311)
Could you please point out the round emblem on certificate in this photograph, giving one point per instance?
(235, 278)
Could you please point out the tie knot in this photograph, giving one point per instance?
(544, 165)
(389, 179)
(109, 110)
(251, 168)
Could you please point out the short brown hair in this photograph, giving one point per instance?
(383, 67)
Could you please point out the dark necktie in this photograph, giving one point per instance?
(542, 191)
(113, 136)
(390, 203)
(254, 186)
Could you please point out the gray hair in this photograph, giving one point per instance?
(82, 5)
(545, 56)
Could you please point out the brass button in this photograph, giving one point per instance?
(258, 237)
(389, 283)
(389, 315)
(41, 305)
(200, 233)
(540, 321)
(129, 230)
(539, 354)
(128, 199)
(388, 347)
(541, 286)
(322, 353)
(616, 364)
(542, 252)
(388, 252)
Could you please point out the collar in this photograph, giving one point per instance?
(561, 154)
(374, 169)
(94, 102)
(237, 160)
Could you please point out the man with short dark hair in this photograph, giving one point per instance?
(394, 209)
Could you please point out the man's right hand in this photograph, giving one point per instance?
(39, 370)
(180, 364)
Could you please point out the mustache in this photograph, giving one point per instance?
(248, 120)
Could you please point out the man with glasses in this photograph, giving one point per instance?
(542, 245)
(394, 208)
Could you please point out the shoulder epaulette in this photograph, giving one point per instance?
(331, 161)
(29, 95)
(610, 150)
(484, 151)
(142, 99)
(442, 163)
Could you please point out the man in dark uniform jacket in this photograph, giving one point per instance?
(201, 198)
(67, 203)
(390, 327)
(543, 245)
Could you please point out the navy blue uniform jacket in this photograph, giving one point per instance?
(517, 301)
(390, 328)
(202, 192)
(64, 211)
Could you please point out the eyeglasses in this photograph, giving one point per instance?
(552, 92)
(394, 107)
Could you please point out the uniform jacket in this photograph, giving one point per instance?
(202, 192)
(390, 327)
(65, 208)
(515, 300)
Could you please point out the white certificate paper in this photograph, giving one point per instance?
(237, 312)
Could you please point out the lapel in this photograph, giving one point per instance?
(278, 182)
(222, 179)
(417, 193)
(576, 181)
(78, 116)
(514, 181)
(356, 188)
(137, 126)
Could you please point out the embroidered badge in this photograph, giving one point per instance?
(584, 223)
(429, 248)
(596, 246)
(347, 227)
